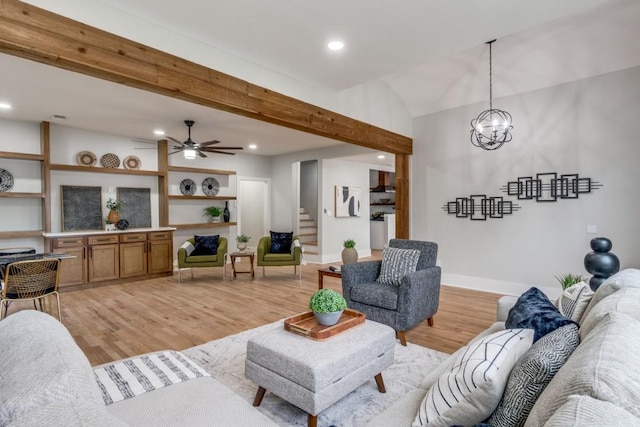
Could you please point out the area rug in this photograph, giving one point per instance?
(224, 360)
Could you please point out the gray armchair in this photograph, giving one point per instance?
(401, 307)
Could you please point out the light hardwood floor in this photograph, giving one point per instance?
(117, 321)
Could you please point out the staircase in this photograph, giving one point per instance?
(308, 234)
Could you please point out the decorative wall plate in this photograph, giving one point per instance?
(210, 186)
(131, 162)
(188, 187)
(110, 160)
(86, 158)
(6, 180)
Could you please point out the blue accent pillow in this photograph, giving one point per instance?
(533, 310)
(206, 245)
(281, 242)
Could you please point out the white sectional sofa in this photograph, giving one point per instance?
(599, 384)
(46, 380)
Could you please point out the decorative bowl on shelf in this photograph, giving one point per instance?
(384, 201)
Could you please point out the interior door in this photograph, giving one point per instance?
(253, 208)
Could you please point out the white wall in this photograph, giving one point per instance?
(309, 187)
(589, 127)
(21, 213)
(336, 230)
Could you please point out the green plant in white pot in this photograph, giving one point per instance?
(349, 253)
(327, 305)
(242, 240)
(214, 212)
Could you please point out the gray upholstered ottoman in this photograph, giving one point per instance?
(313, 375)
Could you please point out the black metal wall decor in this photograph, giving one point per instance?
(479, 207)
(548, 187)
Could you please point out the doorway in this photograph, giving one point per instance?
(253, 208)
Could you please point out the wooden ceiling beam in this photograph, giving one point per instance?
(36, 34)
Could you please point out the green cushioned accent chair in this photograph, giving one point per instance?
(267, 259)
(217, 260)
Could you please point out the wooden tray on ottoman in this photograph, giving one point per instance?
(305, 324)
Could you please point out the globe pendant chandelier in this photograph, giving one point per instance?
(492, 127)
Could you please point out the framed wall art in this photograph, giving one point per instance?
(136, 206)
(348, 201)
(81, 208)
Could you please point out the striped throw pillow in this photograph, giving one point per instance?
(397, 263)
(472, 386)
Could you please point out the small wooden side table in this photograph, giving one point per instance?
(245, 254)
(326, 272)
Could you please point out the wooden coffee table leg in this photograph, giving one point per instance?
(312, 420)
(259, 395)
(380, 384)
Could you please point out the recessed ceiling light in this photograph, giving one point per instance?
(253, 146)
(381, 156)
(335, 45)
(158, 132)
(5, 106)
(59, 117)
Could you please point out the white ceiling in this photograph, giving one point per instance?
(430, 52)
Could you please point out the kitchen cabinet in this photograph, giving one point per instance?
(113, 256)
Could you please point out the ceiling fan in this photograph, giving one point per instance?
(191, 148)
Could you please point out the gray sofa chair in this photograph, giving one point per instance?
(401, 307)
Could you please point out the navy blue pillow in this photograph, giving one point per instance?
(206, 245)
(281, 242)
(533, 310)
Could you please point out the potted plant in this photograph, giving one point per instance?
(242, 240)
(327, 305)
(109, 226)
(114, 210)
(213, 212)
(568, 280)
(349, 253)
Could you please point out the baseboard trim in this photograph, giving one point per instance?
(496, 286)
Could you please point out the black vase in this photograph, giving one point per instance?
(601, 263)
(225, 213)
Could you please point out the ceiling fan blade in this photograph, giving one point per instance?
(175, 140)
(219, 152)
(174, 152)
(145, 141)
(204, 144)
(201, 154)
(221, 148)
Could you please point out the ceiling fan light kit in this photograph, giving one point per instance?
(492, 127)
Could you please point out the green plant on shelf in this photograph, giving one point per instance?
(212, 211)
(114, 205)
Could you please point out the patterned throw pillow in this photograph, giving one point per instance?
(532, 373)
(397, 263)
(280, 242)
(206, 245)
(574, 301)
(534, 310)
(470, 389)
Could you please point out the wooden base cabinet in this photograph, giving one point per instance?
(133, 255)
(73, 271)
(160, 252)
(112, 257)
